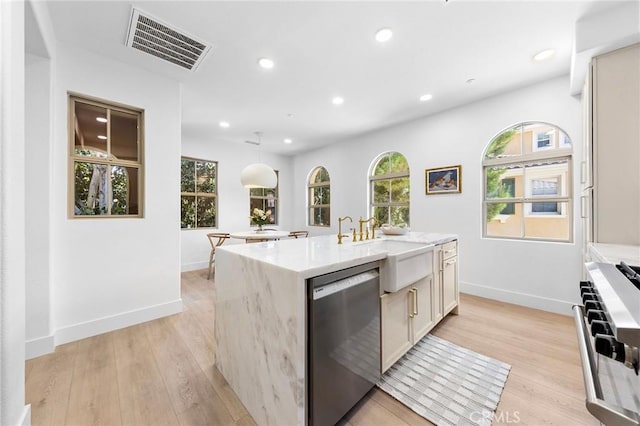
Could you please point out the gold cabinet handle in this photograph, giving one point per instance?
(415, 301)
(450, 262)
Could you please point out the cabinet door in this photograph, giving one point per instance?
(395, 315)
(449, 284)
(422, 312)
(436, 295)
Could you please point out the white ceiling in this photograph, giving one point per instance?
(323, 49)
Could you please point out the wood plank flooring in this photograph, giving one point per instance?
(162, 373)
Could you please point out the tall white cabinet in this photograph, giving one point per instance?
(610, 172)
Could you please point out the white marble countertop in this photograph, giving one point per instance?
(320, 255)
(614, 253)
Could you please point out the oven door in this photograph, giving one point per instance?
(608, 413)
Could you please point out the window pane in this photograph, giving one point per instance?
(503, 182)
(399, 215)
(400, 190)
(206, 176)
(382, 168)
(509, 186)
(381, 214)
(256, 192)
(90, 134)
(381, 191)
(90, 188)
(264, 204)
(124, 135)
(320, 195)
(187, 176)
(124, 183)
(206, 207)
(319, 216)
(506, 144)
(188, 212)
(548, 225)
(399, 164)
(320, 175)
(504, 226)
(547, 179)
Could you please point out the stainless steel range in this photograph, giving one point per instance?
(608, 326)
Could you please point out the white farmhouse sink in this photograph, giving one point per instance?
(406, 263)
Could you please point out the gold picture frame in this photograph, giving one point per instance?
(443, 180)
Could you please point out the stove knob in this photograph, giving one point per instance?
(592, 305)
(600, 327)
(610, 347)
(590, 296)
(596, 315)
(586, 287)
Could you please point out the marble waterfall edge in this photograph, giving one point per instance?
(260, 335)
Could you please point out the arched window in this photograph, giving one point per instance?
(319, 188)
(527, 183)
(389, 189)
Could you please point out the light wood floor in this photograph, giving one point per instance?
(162, 373)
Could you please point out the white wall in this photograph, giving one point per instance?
(12, 209)
(537, 274)
(111, 273)
(233, 210)
(37, 141)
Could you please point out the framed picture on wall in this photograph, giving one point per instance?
(443, 180)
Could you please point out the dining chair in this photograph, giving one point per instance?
(216, 239)
(299, 234)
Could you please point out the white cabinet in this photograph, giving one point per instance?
(446, 285)
(410, 313)
(610, 176)
(406, 316)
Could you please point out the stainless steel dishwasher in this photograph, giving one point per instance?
(344, 341)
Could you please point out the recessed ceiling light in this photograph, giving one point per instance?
(101, 119)
(426, 97)
(102, 137)
(543, 55)
(224, 124)
(266, 63)
(288, 140)
(383, 35)
(470, 81)
(337, 100)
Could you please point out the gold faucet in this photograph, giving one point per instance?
(373, 228)
(340, 235)
(361, 221)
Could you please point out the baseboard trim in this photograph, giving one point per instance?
(115, 322)
(40, 346)
(25, 419)
(193, 266)
(529, 300)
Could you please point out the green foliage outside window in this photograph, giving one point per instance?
(495, 187)
(391, 189)
(198, 200)
(92, 191)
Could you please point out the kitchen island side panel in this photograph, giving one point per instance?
(260, 329)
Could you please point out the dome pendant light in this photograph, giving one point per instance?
(258, 175)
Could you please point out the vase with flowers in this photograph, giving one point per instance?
(260, 217)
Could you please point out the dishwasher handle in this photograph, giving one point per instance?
(343, 284)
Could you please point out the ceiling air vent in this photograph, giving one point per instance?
(156, 38)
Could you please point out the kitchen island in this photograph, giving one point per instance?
(260, 315)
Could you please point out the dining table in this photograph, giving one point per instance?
(250, 236)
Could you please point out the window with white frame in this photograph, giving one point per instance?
(319, 195)
(389, 189)
(527, 182)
